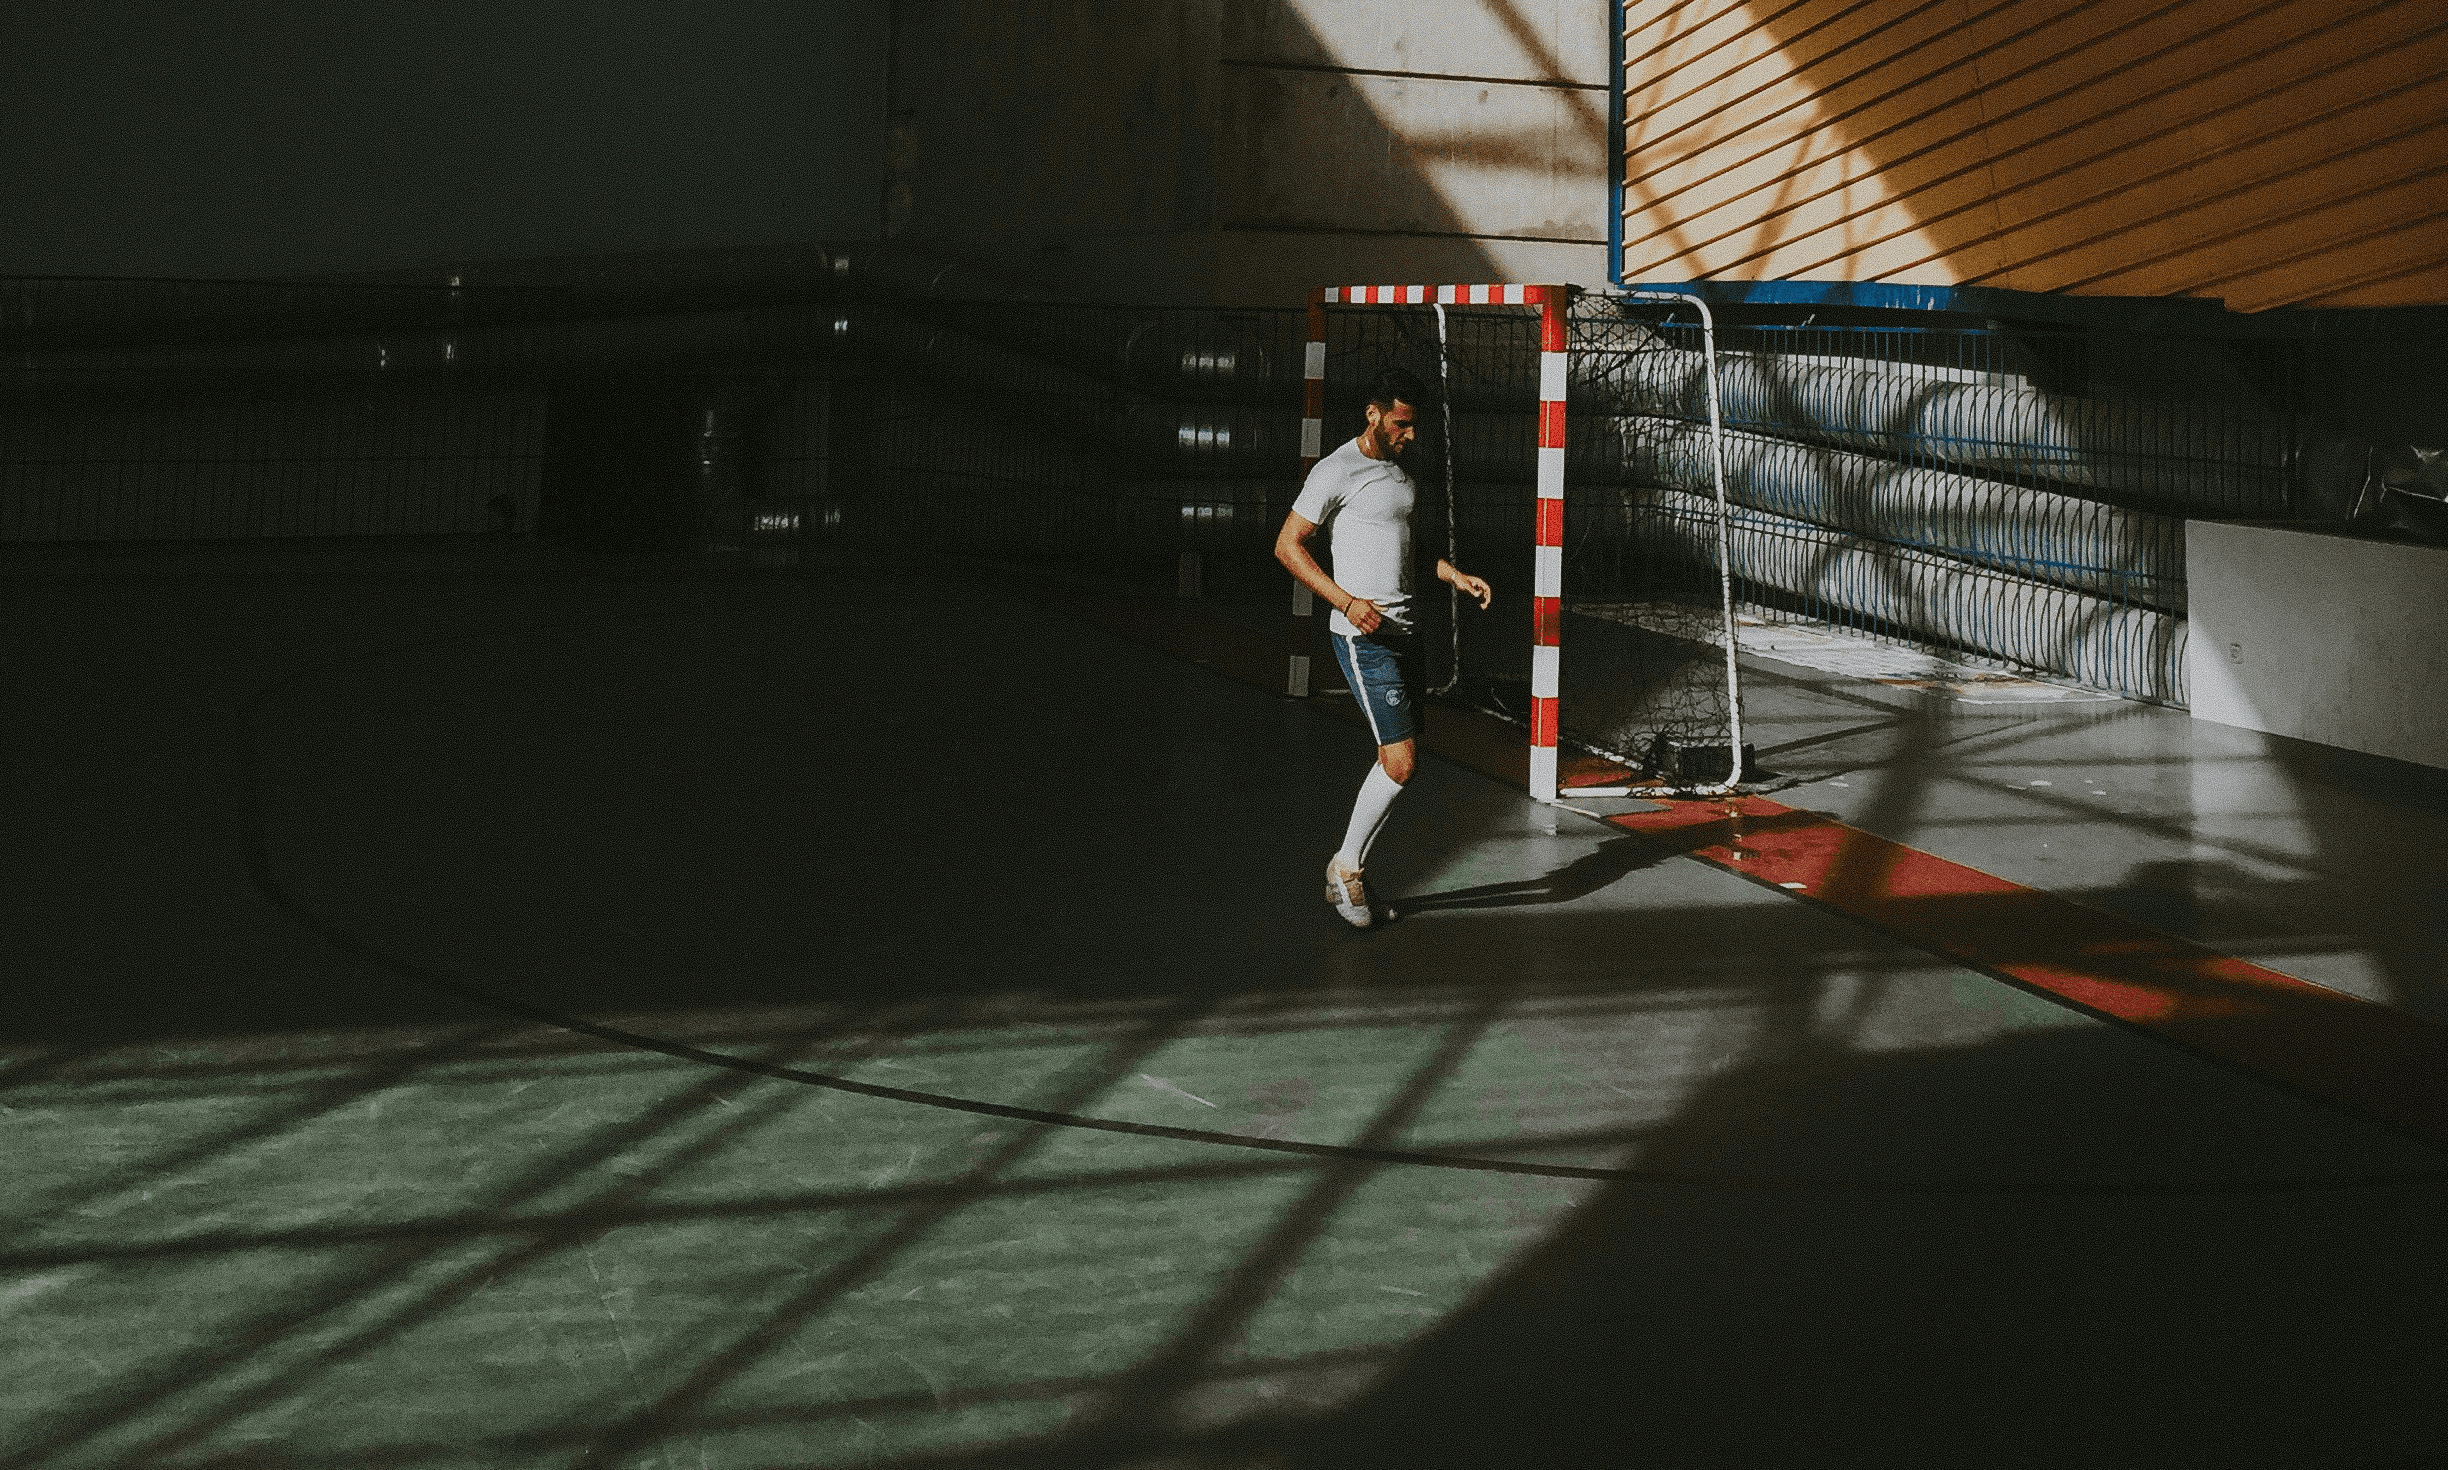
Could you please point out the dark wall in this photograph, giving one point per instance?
(293, 137)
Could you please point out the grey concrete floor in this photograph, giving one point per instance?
(291, 1193)
(2320, 864)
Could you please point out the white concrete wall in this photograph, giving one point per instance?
(1238, 152)
(1495, 110)
(2320, 637)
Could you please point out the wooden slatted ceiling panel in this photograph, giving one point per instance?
(2270, 152)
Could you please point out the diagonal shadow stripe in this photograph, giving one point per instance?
(2337, 1049)
(302, 1109)
(1138, 1399)
(2373, 1061)
(1475, 746)
(719, 1367)
(395, 1266)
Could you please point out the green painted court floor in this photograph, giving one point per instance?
(309, 844)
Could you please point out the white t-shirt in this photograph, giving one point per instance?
(1365, 506)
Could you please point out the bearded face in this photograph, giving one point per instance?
(1390, 430)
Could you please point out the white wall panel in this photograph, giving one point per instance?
(2326, 638)
(1331, 151)
(1524, 40)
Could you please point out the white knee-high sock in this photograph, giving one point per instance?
(1376, 798)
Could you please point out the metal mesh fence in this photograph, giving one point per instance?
(2012, 494)
(1920, 484)
(1981, 403)
(243, 466)
(149, 410)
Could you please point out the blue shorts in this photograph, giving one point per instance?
(1383, 671)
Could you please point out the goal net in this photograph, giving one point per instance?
(1609, 638)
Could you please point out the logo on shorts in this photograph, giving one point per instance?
(1394, 696)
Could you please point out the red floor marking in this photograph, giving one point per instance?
(2371, 1059)
(2374, 1059)
(1591, 770)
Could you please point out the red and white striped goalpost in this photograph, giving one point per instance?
(1547, 575)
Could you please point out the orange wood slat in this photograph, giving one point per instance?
(2366, 261)
(2216, 154)
(1916, 256)
(2023, 51)
(2298, 223)
(1900, 107)
(1858, 99)
(2094, 120)
(1775, 85)
(1686, 45)
(1649, 28)
(1699, 71)
(2198, 239)
(2359, 239)
(2104, 114)
(1876, 114)
(2243, 200)
(1777, 199)
(2086, 158)
(1912, 144)
(2270, 150)
(1704, 53)
(2130, 53)
(2424, 282)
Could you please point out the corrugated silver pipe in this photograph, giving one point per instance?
(2054, 537)
(2208, 457)
(2135, 651)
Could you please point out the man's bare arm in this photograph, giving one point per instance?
(1292, 549)
(1470, 586)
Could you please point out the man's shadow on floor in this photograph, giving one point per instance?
(1579, 878)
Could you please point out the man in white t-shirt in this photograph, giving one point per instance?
(1362, 495)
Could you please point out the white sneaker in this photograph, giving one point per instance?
(1349, 895)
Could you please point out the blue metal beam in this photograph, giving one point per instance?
(2192, 315)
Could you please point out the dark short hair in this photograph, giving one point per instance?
(1393, 385)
